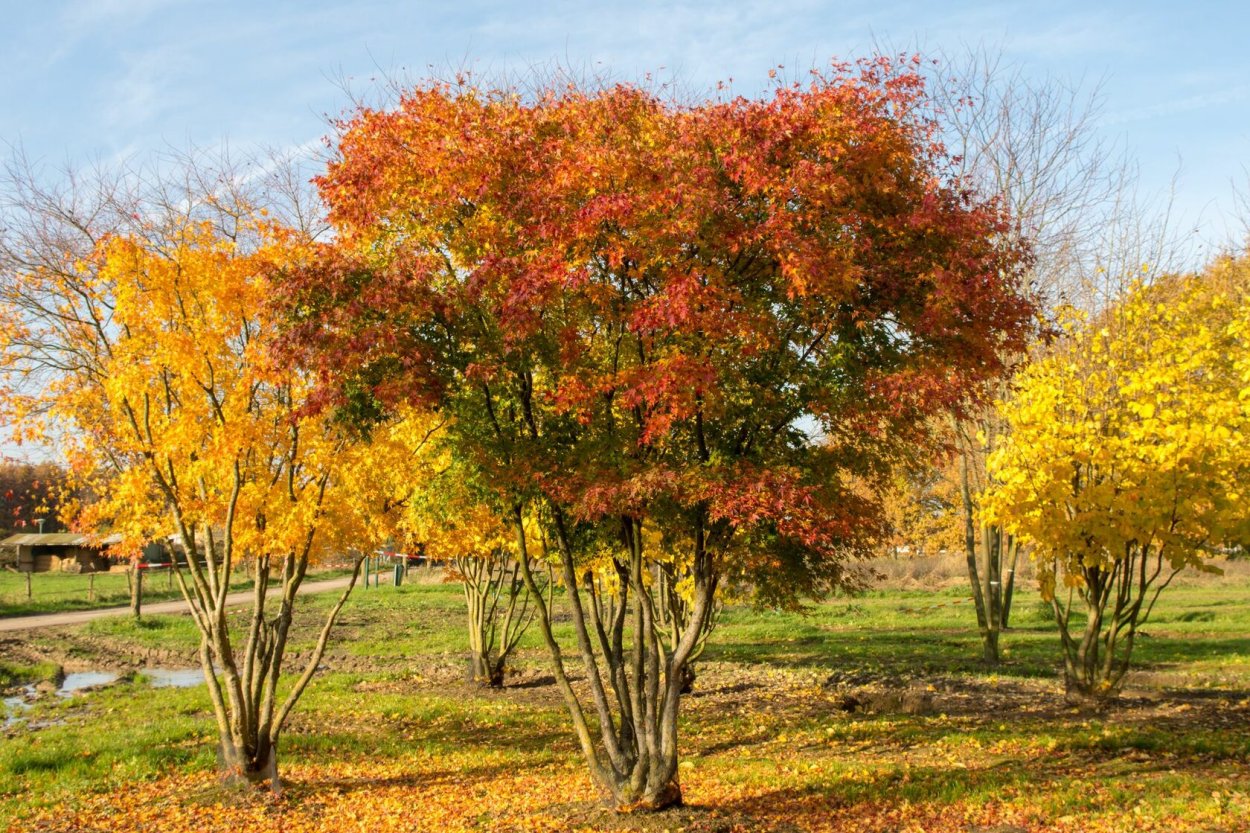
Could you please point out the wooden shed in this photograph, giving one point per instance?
(59, 551)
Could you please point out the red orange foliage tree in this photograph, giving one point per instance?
(650, 318)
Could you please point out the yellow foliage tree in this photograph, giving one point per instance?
(454, 524)
(920, 505)
(407, 484)
(147, 358)
(1127, 459)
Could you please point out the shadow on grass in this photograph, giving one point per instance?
(895, 652)
(533, 682)
(452, 778)
(1031, 652)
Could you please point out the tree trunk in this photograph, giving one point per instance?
(688, 677)
(499, 608)
(635, 683)
(485, 670)
(136, 593)
(243, 678)
(1009, 584)
(981, 597)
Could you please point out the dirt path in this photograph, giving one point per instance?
(75, 617)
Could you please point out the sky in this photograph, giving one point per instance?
(106, 80)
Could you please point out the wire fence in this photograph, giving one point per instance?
(23, 593)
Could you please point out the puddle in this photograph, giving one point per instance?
(173, 677)
(15, 707)
(156, 677)
(85, 679)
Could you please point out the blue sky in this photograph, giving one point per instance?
(87, 80)
(107, 79)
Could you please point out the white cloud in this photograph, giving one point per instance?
(1185, 104)
(135, 98)
(85, 14)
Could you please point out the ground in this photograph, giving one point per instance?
(870, 714)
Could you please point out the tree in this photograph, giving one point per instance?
(499, 605)
(1033, 144)
(1126, 460)
(417, 497)
(140, 345)
(453, 522)
(697, 322)
(920, 503)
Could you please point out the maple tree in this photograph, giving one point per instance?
(645, 319)
(919, 503)
(1127, 459)
(418, 499)
(139, 344)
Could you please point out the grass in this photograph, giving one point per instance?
(160, 631)
(913, 631)
(56, 592)
(19, 673)
(765, 743)
(121, 733)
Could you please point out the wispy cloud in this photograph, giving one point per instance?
(132, 100)
(84, 14)
(1175, 106)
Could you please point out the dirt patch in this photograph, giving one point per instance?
(992, 698)
(74, 650)
(719, 687)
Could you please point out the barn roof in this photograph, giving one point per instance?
(57, 539)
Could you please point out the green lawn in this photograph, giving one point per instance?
(763, 738)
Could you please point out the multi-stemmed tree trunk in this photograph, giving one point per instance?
(243, 674)
(635, 676)
(1116, 599)
(992, 553)
(499, 607)
(675, 609)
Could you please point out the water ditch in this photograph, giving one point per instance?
(18, 705)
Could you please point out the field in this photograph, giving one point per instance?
(53, 592)
(56, 592)
(869, 713)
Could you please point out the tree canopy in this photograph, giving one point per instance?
(703, 319)
(1127, 457)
